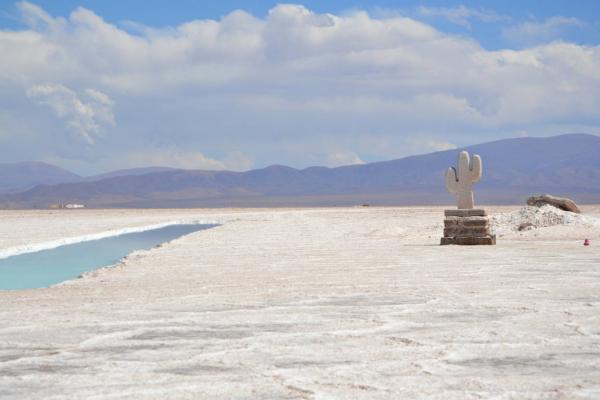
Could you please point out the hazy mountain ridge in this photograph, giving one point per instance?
(513, 169)
(127, 172)
(20, 176)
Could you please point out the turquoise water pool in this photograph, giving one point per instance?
(48, 267)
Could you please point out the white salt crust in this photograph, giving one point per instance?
(345, 303)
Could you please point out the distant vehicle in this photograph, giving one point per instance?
(69, 205)
(74, 205)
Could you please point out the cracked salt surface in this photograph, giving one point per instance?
(302, 304)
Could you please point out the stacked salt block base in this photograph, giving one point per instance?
(467, 227)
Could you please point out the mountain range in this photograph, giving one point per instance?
(566, 165)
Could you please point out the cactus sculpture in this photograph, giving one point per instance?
(461, 181)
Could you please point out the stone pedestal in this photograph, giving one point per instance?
(467, 227)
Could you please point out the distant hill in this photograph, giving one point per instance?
(20, 176)
(513, 169)
(128, 172)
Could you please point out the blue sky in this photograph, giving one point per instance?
(97, 85)
(161, 13)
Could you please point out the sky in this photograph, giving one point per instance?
(99, 85)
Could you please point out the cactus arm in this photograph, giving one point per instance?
(451, 180)
(475, 170)
(464, 164)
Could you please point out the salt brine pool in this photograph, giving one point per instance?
(48, 267)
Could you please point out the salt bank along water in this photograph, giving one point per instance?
(48, 267)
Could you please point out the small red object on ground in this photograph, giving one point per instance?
(586, 242)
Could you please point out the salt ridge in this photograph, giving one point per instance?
(32, 248)
(538, 217)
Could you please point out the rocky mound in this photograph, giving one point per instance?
(559, 202)
(537, 217)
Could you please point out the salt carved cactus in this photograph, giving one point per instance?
(461, 181)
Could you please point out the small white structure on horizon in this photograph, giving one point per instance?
(74, 205)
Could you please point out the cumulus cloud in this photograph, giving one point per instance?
(84, 118)
(178, 158)
(439, 145)
(340, 158)
(35, 17)
(535, 32)
(292, 87)
(427, 145)
(237, 161)
(462, 15)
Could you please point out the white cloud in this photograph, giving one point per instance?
(462, 15)
(535, 32)
(237, 161)
(292, 87)
(85, 119)
(340, 158)
(177, 158)
(439, 145)
(35, 17)
(427, 145)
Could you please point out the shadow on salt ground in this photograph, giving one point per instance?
(199, 369)
(553, 363)
(30, 369)
(192, 334)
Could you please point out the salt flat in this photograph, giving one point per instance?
(308, 303)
